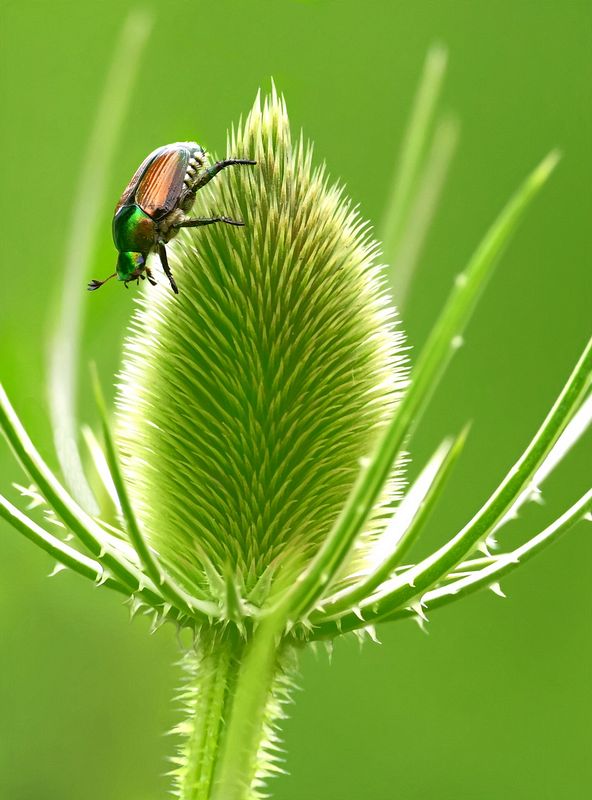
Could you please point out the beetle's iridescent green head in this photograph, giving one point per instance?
(130, 265)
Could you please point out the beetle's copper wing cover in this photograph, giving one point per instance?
(158, 181)
(127, 198)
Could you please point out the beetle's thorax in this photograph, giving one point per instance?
(133, 230)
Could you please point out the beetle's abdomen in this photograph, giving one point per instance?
(161, 185)
(133, 230)
(164, 179)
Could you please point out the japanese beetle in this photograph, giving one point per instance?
(155, 205)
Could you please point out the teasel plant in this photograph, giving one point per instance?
(249, 487)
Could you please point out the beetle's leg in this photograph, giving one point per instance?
(165, 265)
(197, 222)
(151, 280)
(211, 172)
(93, 285)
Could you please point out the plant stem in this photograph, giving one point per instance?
(209, 689)
(234, 697)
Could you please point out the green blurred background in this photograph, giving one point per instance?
(496, 701)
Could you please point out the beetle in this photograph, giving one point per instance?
(155, 205)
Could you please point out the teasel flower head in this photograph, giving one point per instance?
(246, 403)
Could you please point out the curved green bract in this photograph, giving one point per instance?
(428, 370)
(84, 227)
(194, 606)
(247, 402)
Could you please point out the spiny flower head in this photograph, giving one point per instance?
(246, 402)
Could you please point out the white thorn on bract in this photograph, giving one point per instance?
(364, 462)
(102, 578)
(32, 493)
(491, 541)
(482, 547)
(156, 623)
(536, 496)
(56, 570)
(52, 519)
(422, 623)
(306, 624)
(135, 605)
(457, 342)
(329, 649)
(497, 589)
(418, 609)
(358, 612)
(370, 631)
(588, 516)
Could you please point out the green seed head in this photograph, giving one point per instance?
(247, 402)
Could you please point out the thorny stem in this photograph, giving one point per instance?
(247, 724)
(213, 674)
(233, 708)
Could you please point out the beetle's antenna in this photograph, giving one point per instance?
(95, 284)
